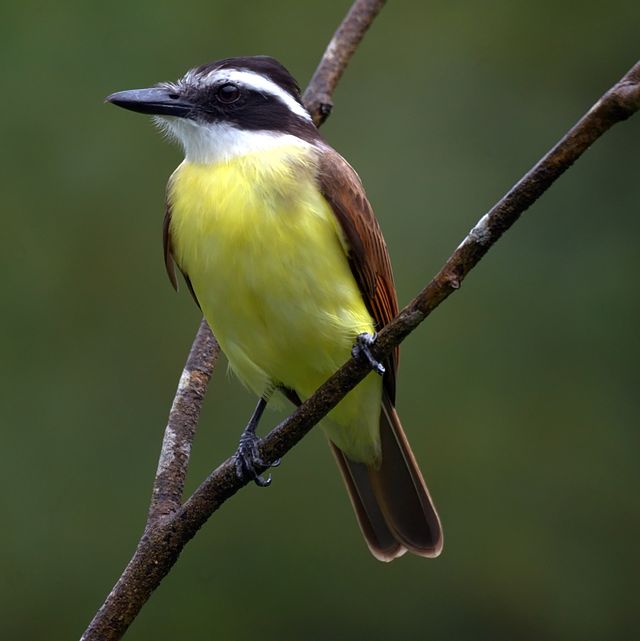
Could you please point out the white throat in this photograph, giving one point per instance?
(208, 144)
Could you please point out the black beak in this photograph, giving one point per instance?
(155, 101)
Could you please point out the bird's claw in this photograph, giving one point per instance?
(248, 458)
(362, 349)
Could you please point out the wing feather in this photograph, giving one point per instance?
(366, 249)
(169, 261)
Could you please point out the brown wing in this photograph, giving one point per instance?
(367, 251)
(166, 245)
(169, 261)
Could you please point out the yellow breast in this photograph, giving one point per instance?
(265, 256)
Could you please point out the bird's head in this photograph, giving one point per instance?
(226, 107)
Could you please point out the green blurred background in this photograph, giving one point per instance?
(520, 394)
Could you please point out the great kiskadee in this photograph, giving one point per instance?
(280, 248)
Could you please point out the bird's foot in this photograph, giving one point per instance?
(248, 458)
(362, 349)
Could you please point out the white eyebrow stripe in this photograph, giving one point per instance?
(259, 83)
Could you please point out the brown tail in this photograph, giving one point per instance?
(392, 503)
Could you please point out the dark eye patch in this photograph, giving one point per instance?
(246, 108)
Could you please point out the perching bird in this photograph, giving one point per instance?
(279, 246)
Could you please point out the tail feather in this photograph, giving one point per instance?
(380, 539)
(392, 503)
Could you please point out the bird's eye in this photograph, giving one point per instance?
(228, 93)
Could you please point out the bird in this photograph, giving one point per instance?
(280, 248)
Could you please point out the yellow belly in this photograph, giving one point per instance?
(264, 254)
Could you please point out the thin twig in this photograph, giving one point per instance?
(166, 497)
(318, 95)
(167, 531)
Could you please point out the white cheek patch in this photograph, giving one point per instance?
(259, 83)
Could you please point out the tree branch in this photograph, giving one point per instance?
(166, 496)
(166, 536)
(345, 41)
(168, 529)
(163, 541)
